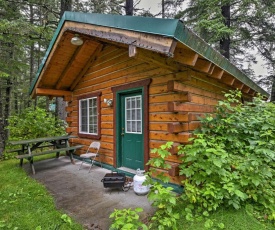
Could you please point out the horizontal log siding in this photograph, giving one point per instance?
(196, 95)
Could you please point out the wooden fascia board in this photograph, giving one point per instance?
(52, 92)
(151, 42)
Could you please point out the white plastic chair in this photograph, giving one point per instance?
(92, 153)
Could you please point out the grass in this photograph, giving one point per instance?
(231, 219)
(25, 204)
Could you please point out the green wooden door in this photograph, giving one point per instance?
(132, 148)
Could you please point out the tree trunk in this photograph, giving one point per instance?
(31, 54)
(272, 98)
(129, 7)
(162, 8)
(5, 95)
(225, 42)
(66, 5)
(7, 105)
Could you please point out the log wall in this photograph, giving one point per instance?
(176, 100)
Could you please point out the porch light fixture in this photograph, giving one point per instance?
(109, 102)
(76, 40)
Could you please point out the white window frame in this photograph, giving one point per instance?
(89, 116)
(136, 120)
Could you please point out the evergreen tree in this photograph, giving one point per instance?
(235, 28)
(24, 35)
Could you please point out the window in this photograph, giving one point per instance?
(89, 107)
(133, 114)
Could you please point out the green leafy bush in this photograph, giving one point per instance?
(34, 123)
(162, 197)
(127, 219)
(231, 161)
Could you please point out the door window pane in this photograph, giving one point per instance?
(133, 112)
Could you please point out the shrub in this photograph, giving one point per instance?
(231, 160)
(34, 123)
(162, 197)
(127, 219)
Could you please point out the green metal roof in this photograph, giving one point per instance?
(172, 28)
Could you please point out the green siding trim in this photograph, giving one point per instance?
(172, 28)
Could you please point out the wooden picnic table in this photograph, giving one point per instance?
(58, 143)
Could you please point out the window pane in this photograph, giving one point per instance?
(128, 126)
(83, 116)
(93, 115)
(89, 116)
(133, 103)
(134, 126)
(139, 126)
(133, 114)
(139, 114)
(128, 114)
(128, 103)
(138, 102)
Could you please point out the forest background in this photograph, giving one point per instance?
(235, 28)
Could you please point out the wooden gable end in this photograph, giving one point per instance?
(66, 63)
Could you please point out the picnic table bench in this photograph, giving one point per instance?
(59, 144)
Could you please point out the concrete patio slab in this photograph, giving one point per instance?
(81, 194)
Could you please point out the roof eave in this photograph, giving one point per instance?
(194, 42)
(171, 28)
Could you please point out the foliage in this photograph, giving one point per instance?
(127, 219)
(34, 123)
(161, 197)
(207, 19)
(249, 25)
(165, 201)
(26, 204)
(23, 199)
(159, 162)
(100, 6)
(66, 219)
(231, 160)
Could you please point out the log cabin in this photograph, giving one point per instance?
(134, 83)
